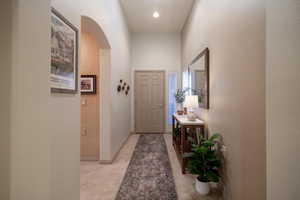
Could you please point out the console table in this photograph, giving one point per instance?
(181, 129)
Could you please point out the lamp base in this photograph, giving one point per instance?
(191, 116)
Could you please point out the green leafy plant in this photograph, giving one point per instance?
(180, 95)
(204, 159)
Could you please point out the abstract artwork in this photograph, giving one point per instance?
(123, 87)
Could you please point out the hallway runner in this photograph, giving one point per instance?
(149, 174)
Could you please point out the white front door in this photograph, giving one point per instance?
(149, 101)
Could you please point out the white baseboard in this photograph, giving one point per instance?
(105, 161)
(117, 153)
(89, 158)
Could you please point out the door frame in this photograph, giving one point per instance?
(105, 106)
(164, 98)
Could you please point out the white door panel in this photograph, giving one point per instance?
(149, 101)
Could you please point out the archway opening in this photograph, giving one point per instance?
(95, 87)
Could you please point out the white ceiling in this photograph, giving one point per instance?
(173, 14)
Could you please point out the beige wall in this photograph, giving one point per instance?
(235, 34)
(283, 97)
(65, 117)
(155, 51)
(89, 140)
(5, 84)
(31, 114)
(109, 16)
(45, 127)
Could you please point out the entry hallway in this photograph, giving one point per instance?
(102, 181)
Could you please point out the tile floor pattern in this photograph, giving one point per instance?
(102, 181)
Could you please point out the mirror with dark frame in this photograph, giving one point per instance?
(199, 78)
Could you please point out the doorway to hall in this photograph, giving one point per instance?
(94, 88)
(90, 100)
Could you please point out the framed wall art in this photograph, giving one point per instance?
(88, 84)
(64, 55)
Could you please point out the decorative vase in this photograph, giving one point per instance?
(202, 187)
(185, 110)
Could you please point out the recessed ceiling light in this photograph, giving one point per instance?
(156, 14)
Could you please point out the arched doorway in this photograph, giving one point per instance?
(95, 106)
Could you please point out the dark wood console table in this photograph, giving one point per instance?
(181, 129)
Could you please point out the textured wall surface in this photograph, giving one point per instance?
(5, 85)
(283, 97)
(109, 17)
(45, 128)
(31, 111)
(234, 31)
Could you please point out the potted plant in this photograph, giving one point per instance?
(179, 98)
(205, 161)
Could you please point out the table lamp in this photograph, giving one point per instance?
(191, 103)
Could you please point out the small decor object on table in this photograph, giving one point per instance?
(191, 103)
(185, 111)
(64, 55)
(179, 98)
(205, 161)
(88, 84)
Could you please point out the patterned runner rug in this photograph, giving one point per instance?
(149, 174)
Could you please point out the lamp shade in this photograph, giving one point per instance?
(191, 102)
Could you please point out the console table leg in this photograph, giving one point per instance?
(180, 141)
(173, 130)
(183, 149)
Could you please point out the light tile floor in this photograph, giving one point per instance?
(102, 181)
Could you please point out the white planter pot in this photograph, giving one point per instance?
(201, 187)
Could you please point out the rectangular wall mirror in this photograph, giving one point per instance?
(199, 78)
